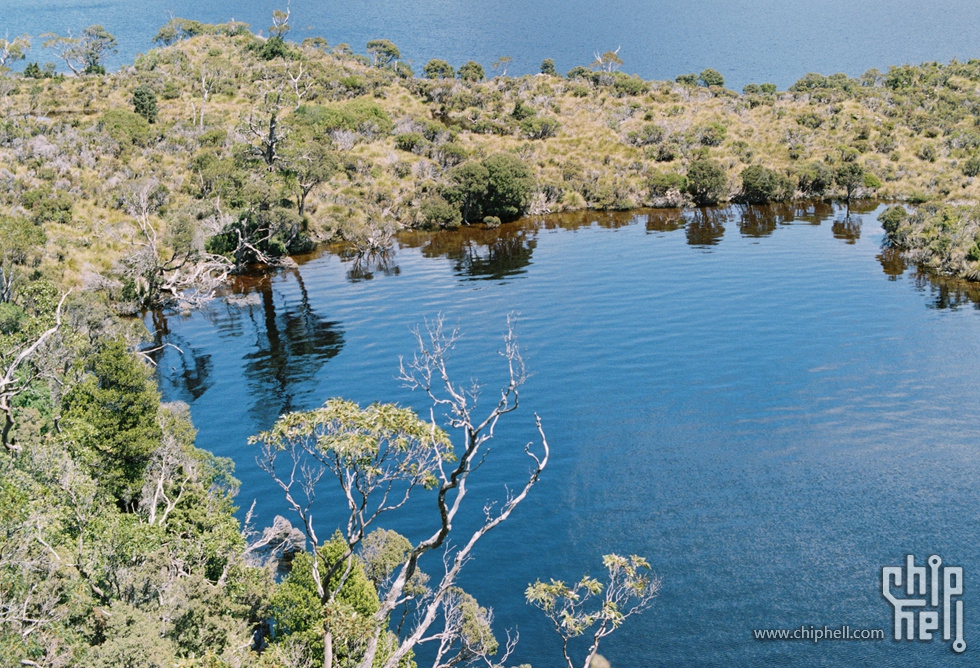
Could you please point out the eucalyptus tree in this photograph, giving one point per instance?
(379, 459)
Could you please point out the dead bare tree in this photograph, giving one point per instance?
(186, 277)
(19, 371)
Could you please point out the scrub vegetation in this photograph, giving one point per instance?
(219, 150)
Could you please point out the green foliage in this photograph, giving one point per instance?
(438, 69)
(299, 615)
(649, 133)
(591, 607)
(177, 29)
(850, 177)
(972, 166)
(892, 218)
(95, 44)
(710, 77)
(662, 183)
(110, 417)
(471, 71)
(812, 83)
(687, 79)
(814, 179)
(356, 116)
(761, 185)
(810, 119)
(707, 182)
(629, 86)
(510, 185)
(383, 51)
(540, 127)
(437, 212)
(413, 142)
(145, 103)
(468, 189)
(12, 318)
(404, 70)
(274, 47)
(548, 67)
(126, 128)
(522, 111)
(711, 134)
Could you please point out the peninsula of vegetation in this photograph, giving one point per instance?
(220, 150)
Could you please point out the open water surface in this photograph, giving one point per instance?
(761, 401)
(748, 41)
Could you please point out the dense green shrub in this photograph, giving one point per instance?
(761, 185)
(438, 69)
(413, 142)
(126, 128)
(649, 133)
(356, 116)
(145, 103)
(540, 127)
(710, 77)
(814, 179)
(661, 183)
(437, 212)
(471, 71)
(509, 186)
(707, 182)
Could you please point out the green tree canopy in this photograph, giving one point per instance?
(706, 182)
(111, 418)
(384, 52)
(710, 77)
(471, 71)
(438, 69)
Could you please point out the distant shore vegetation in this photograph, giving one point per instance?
(220, 148)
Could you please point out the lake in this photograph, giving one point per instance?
(763, 402)
(748, 41)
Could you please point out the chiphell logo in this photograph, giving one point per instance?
(925, 599)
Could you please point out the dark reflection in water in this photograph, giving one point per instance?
(292, 343)
(893, 263)
(189, 375)
(813, 212)
(367, 264)
(848, 229)
(706, 226)
(478, 252)
(946, 292)
(665, 220)
(759, 221)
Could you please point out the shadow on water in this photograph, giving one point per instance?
(291, 343)
(189, 375)
(364, 266)
(847, 229)
(706, 226)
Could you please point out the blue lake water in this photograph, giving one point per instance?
(762, 402)
(748, 41)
